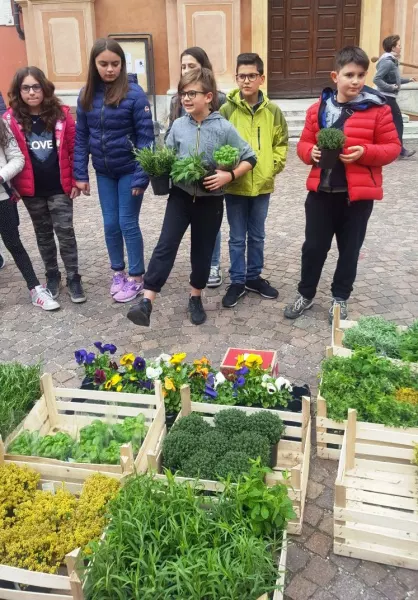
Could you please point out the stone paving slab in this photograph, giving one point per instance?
(387, 284)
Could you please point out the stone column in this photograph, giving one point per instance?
(259, 32)
(371, 18)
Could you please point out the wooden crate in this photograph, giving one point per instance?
(229, 361)
(292, 455)
(48, 416)
(376, 496)
(281, 576)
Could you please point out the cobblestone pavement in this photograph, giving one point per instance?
(387, 284)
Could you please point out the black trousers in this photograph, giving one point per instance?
(328, 215)
(397, 116)
(9, 231)
(204, 215)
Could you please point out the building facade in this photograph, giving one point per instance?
(297, 38)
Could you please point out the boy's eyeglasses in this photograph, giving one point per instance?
(241, 77)
(191, 95)
(27, 88)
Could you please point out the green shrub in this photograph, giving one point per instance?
(231, 421)
(408, 344)
(188, 170)
(253, 445)
(330, 139)
(375, 332)
(233, 464)
(156, 162)
(202, 464)
(178, 446)
(215, 442)
(268, 425)
(194, 424)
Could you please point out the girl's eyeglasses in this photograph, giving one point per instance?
(191, 95)
(27, 88)
(241, 77)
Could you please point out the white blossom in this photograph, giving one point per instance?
(281, 382)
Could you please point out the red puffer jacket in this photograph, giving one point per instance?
(65, 138)
(372, 128)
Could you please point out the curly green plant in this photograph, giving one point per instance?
(330, 139)
(156, 162)
(268, 424)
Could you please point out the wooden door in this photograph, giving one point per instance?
(304, 37)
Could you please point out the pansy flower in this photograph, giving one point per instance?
(99, 376)
(169, 384)
(139, 363)
(109, 348)
(80, 356)
(176, 359)
(90, 358)
(127, 359)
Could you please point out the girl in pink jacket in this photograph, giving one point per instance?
(45, 133)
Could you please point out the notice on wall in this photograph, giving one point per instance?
(6, 15)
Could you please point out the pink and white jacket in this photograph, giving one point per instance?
(24, 182)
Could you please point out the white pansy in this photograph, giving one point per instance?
(281, 382)
(271, 388)
(219, 378)
(163, 358)
(266, 377)
(153, 373)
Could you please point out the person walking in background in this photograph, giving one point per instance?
(11, 163)
(45, 132)
(113, 118)
(261, 123)
(201, 131)
(196, 58)
(340, 200)
(3, 109)
(388, 81)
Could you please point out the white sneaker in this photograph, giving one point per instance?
(42, 297)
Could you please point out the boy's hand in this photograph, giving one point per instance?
(316, 154)
(75, 192)
(84, 187)
(137, 191)
(354, 153)
(214, 182)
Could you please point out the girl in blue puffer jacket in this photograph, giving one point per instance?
(113, 117)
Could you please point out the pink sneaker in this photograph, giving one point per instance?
(130, 291)
(118, 281)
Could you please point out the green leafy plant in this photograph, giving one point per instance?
(189, 170)
(408, 346)
(57, 446)
(368, 383)
(226, 157)
(19, 390)
(330, 139)
(156, 162)
(375, 332)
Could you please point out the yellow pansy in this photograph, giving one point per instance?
(203, 361)
(115, 379)
(176, 359)
(108, 384)
(119, 388)
(127, 359)
(253, 360)
(169, 384)
(240, 361)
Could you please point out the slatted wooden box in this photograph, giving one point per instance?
(49, 416)
(292, 455)
(376, 496)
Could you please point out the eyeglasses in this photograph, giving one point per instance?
(27, 88)
(191, 95)
(241, 77)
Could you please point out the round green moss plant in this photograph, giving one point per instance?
(233, 465)
(231, 421)
(201, 465)
(330, 139)
(253, 445)
(178, 446)
(193, 423)
(216, 442)
(268, 425)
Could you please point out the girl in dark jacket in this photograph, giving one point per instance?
(113, 117)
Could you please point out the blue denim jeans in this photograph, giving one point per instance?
(216, 255)
(246, 217)
(120, 211)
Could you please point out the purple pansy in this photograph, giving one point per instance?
(80, 356)
(99, 376)
(90, 358)
(243, 370)
(99, 346)
(139, 363)
(210, 392)
(148, 384)
(109, 348)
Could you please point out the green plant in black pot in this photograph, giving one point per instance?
(157, 164)
(331, 142)
(226, 157)
(189, 170)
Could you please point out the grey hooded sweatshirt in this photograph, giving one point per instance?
(189, 137)
(388, 75)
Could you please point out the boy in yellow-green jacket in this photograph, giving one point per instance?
(261, 123)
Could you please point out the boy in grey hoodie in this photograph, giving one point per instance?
(200, 132)
(388, 81)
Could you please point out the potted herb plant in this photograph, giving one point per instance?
(191, 170)
(226, 157)
(331, 142)
(157, 164)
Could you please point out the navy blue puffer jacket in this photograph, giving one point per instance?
(109, 133)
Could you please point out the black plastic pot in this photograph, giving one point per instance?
(170, 418)
(329, 158)
(86, 384)
(160, 185)
(200, 182)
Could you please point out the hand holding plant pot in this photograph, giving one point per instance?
(190, 170)
(226, 157)
(331, 142)
(157, 164)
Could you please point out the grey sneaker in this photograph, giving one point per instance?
(215, 277)
(343, 309)
(295, 310)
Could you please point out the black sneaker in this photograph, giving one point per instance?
(298, 307)
(262, 286)
(343, 309)
(196, 311)
(140, 313)
(2, 261)
(53, 283)
(75, 289)
(233, 293)
(407, 153)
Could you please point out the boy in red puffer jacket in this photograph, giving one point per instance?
(340, 200)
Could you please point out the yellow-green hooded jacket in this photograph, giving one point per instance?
(266, 132)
